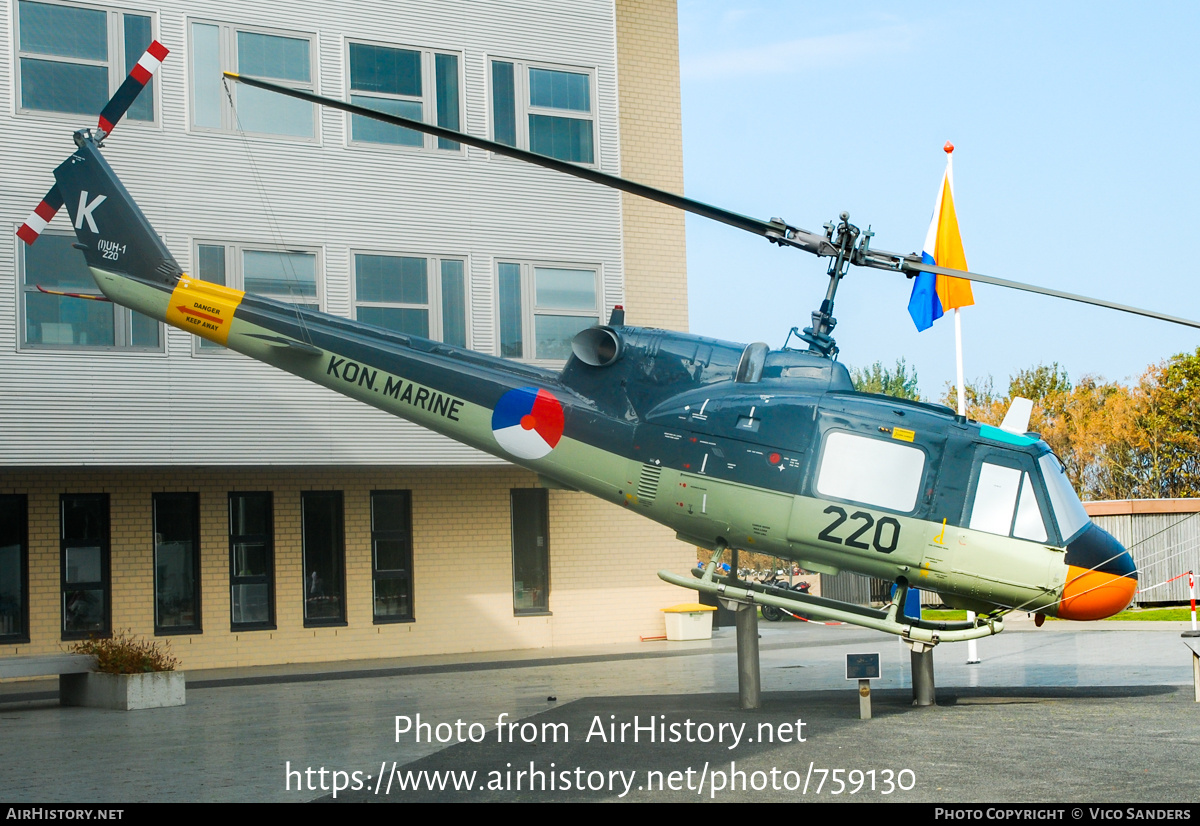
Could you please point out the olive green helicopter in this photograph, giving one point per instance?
(733, 446)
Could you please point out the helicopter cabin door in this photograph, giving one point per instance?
(1006, 546)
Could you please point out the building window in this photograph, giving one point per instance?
(412, 83)
(85, 566)
(324, 558)
(547, 110)
(290, 275)
(73, 58)
(285, 58)
(176, 563)
(542, 307)
(63, 322)
(14, 569)
(391, 554)
(251, 562)
(415, 295)
(531, 550)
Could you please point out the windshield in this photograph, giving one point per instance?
(1068, 510)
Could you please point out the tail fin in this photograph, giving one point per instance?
(113, 233)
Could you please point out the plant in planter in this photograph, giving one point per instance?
(130, 673)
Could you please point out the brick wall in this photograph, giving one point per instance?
(462, 563)
(651, 153)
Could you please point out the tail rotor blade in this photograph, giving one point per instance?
(41, 215)
(138, 77)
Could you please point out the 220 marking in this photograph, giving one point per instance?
(852, 541)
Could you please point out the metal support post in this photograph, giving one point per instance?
(749, 681)
(864, 699)
(921, 658)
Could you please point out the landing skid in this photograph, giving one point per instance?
(889, 620)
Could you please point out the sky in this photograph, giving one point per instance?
(1075, 127)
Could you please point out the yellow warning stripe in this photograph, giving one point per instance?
(203, 308)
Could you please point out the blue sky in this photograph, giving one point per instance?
(1075, 126)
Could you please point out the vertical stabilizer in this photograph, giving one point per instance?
(112, 232)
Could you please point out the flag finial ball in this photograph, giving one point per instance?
(948, 148)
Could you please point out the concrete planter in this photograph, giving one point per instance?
(122, 692)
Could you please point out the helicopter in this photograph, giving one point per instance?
(733, 446)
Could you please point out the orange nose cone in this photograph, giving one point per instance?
(1093, 595)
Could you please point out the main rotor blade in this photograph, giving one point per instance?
(776, 231)
(911, 263)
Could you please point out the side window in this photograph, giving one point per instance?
(324, 551)
(547, 110)
(286, 58)
(62, 322)
(882, 473)
(251, 561)
(1005, 504)
(419, 296)
(84, 563)
(412, 83)
(176, 563)
(542, 307)
(72, 58)
(14, 569)
(531, 550)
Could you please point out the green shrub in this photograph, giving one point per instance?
(126, 653)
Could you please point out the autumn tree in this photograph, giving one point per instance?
(878, 379)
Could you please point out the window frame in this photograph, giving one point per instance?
(229, 59)
(103, 584)
(428, 99)
(338, 559)
(122, 316)
(195, 627)
(21, 634)
(114, 37)
(523, 106)
(268, 579)
(406, 573)
(530, 309)
(435, 305)
(235, 277)
(544, 496)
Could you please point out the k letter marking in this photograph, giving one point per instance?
(85, 211)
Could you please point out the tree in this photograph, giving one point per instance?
(983, 404)
(878, 379)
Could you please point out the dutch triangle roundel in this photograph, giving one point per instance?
(527, 422)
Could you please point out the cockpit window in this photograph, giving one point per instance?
(1005, 504)
(1068, 510)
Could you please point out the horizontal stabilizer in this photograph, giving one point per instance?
(291, 343)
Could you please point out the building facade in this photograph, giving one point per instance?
(152, 482)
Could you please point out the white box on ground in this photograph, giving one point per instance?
(690, 621)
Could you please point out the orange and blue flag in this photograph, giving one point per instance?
(934, 295)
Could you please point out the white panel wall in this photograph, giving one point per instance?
(73, 407)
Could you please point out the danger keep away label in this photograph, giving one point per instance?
(203, 308)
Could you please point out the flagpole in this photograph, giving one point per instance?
(972, 649)
(962, 390)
